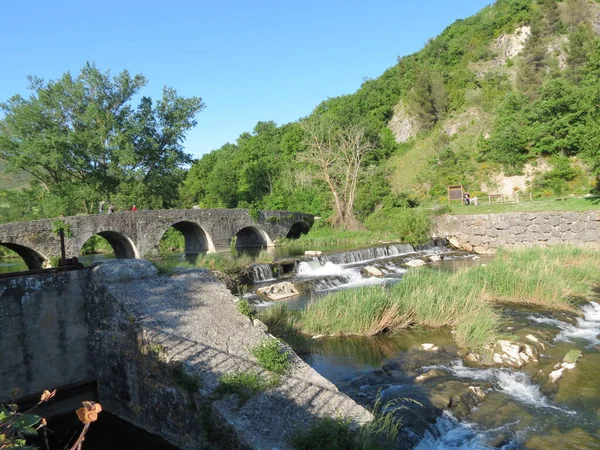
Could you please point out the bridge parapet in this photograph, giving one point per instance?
(138, 234)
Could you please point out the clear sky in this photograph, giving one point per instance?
(248, 60)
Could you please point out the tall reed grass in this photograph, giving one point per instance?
(466, 301)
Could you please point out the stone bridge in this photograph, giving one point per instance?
(138, 234)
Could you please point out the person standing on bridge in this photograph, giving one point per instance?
(133, 208)
(111, 209)
(101, 207)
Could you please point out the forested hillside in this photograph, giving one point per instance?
(513, 90)
(517, 85)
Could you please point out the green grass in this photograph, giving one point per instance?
(465, 301)
(272, 356)
(337, 434)
(326, 434)
(424, 297)
(245, 385)
(568, 204)
(550, 277)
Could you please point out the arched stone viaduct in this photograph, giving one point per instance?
(138, 234)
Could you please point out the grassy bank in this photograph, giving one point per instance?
(538, 205)
(411, 225)
(465, 301)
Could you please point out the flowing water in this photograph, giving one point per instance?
(8, 265)
(521, 409)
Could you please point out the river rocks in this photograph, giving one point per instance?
(504, 353)
(572, 356)
(569, 363)
(429, 375)
(429, 347)
(311, 253)
(415, 263)
(435, 258)
(373, 271)
(278, 291)
(458, 397)
(576, 438)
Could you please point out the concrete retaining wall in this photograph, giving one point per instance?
(484, 233)
(43, 334)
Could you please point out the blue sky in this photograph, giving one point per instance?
(249, 61)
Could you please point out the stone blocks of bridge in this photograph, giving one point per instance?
(138, 234)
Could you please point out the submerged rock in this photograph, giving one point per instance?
(433, 373)
(415, 263)
(457, 397)
(572, 356)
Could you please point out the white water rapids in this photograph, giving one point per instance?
(587, 328)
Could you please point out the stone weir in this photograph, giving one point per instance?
(155, 349)
(484, 233)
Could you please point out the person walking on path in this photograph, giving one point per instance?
(133, 208)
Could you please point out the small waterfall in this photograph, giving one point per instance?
(587, 328)
(314, 268)
(435, 244)
(262, 273)
(514, 384)
(447, 433)
(329, 283)
(368, 254)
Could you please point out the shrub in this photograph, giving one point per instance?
(407, 224)
(272, 356)
(244, 307)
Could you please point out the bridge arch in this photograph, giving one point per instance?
(197, 240)
(252, 237)
(32, 258)
(297, 230)
(123, 246)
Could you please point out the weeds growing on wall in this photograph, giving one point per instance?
(245, 385)
(272, 356)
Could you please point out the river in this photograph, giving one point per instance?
(520, 408)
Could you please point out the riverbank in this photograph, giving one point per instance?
(466, 301)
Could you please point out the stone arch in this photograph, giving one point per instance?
(197, 240)
(297, 230)
(32, 258)
(123, 247)
(252, 237)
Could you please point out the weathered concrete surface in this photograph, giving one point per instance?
(484, 233)
(146, 332)
(137, 234)
(43, 333)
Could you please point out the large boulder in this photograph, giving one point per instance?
(279, 291)
(457, 397)
(122, 270)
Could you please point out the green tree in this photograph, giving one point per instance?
(428, 97)
(534, 61)
(82, 141)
